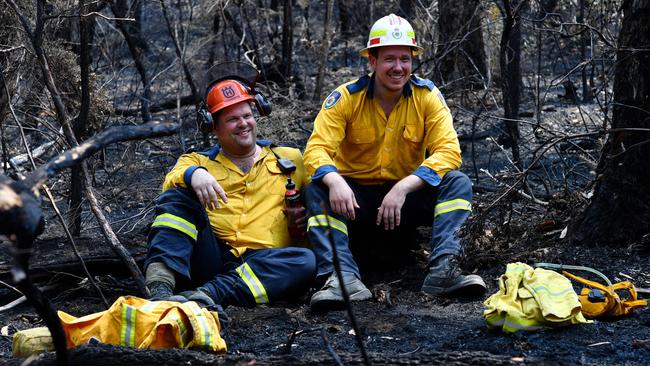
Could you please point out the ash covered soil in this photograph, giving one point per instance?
(399, 326)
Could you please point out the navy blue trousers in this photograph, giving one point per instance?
(182, 239)
(445, 208)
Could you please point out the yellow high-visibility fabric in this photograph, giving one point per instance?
(530, 299)
(354, 135)
(253, 217)
(140, 323)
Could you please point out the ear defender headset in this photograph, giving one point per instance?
(226, 92)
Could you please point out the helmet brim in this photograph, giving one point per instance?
(417, 50)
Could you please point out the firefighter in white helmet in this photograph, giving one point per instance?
(384, 159)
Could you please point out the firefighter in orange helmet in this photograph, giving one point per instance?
(220, 234)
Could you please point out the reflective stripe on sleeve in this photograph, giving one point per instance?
(127, 333)
(254, 284)
(177, 223)
(323, 220)
(452, 205)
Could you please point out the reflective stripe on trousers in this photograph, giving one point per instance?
(254, 284)
(177, 223)
(325, 220)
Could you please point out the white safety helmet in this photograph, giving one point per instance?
(392, 30)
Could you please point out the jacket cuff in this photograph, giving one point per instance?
(187, 176)
(428, 175)
(322, 171)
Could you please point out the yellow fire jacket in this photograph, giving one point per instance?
(139, 323)
(253, 217)
(530, 299)
(353, 136)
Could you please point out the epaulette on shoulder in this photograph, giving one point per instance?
(358, 85)
(422, 82)
(211, 154)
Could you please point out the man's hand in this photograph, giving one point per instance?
(296, 217)
(390, 211)
(342, 197)
(207, 189)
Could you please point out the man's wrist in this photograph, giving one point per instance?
(331, 178)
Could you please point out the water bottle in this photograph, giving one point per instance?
(293, 207)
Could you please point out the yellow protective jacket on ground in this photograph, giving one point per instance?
(353, 136)
(139, 323)
(531, 299)
(253, 217)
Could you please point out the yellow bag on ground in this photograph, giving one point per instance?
(531, 299)
(140, 323)
(133, 322)
(32, 341)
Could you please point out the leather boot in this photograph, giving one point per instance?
(330, 296)
(445, 279)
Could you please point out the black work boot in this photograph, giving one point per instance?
(160, 290)
(445, 279)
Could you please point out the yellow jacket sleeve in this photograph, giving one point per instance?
(441, 140)
(181, 174)
(329, 131)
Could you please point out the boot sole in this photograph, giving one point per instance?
(323, 305)
(473, 288)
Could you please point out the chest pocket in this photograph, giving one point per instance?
(361, 135)
(414, 132)
(275, 180)
(219, 172)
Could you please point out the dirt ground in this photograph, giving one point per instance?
(399, 326)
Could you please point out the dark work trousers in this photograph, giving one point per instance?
(445, 208)
(182, 239)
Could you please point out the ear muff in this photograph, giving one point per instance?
(204, 118)
(264, 107)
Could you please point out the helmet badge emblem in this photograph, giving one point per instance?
(228, 92)
(397, 34)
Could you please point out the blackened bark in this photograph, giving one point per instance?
(586, 89)
(79, 126)
(509, 60)
(138, 48)
(287, 39)
(325, 46)
(407, 9)
(180, 53)
(619, 212)
(461, 52)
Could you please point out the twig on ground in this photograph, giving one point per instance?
(13, 304)
(295, 334)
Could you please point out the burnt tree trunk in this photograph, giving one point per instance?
(461, 52)
(138, 47)
(325, 46)
(509, 60)
(586, 88)
(619, 212)
(79, 126)
(287, 39)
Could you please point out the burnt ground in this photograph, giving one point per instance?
(400, 326)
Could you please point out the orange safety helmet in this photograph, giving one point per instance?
(226, 93)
